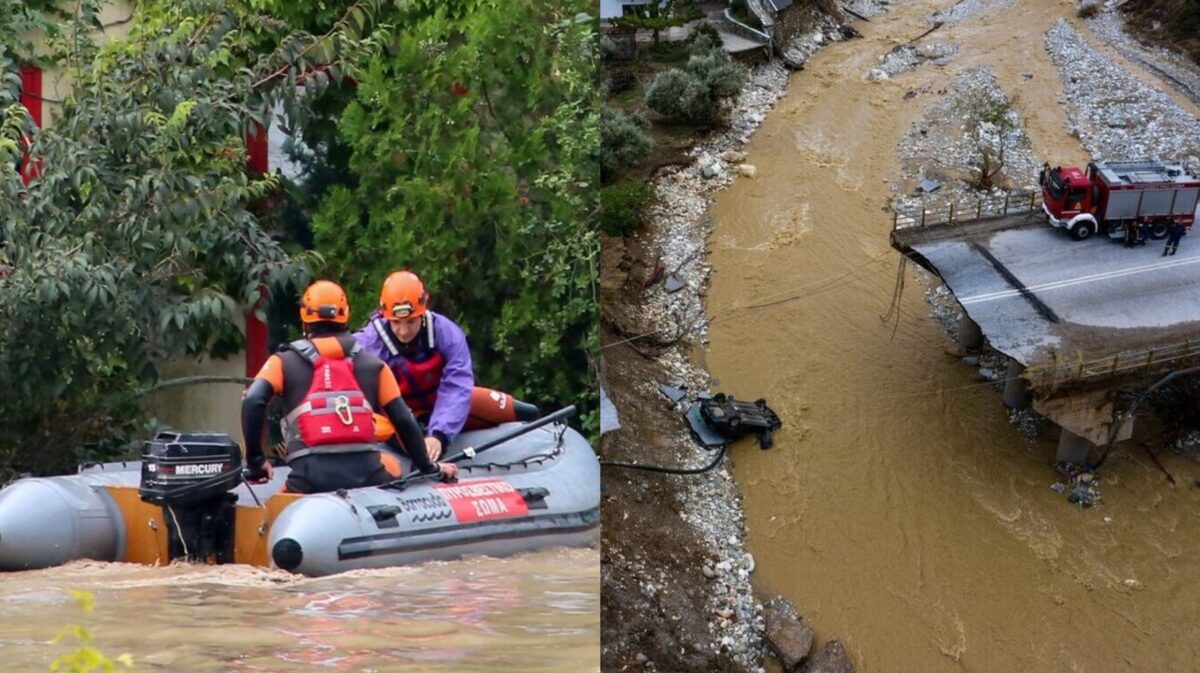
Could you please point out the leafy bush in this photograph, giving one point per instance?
(692, 94)
(620, 81)
(704, 30)
(623, 142)
(623, 206)
(608, 48)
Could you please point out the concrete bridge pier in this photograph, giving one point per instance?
(1072, 448)
(1016, 392)
(1086, 419)
(970, 336)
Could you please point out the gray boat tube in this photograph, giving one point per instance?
(539, 490)
(49, 521)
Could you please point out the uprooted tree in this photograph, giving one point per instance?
(993, 132)
(136, 240)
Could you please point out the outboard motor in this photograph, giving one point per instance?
(190, 475)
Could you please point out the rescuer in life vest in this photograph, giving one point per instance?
(330, 389)
(429, 355)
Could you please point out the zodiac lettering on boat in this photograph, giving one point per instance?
(425, 504)
(484, 499)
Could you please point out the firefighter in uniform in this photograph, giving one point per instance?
(430, 357)
(330, 390)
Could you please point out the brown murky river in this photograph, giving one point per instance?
(538, 612)
(899, 510)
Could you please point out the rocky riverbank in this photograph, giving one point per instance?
(675, 573)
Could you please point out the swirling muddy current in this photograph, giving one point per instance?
(900, 510)
(537, 612)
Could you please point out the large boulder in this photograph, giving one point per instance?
(789, 638)
(830, 659)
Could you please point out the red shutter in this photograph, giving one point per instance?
(256, 330)
(31, 98)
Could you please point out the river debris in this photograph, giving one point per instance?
(725, 417)
(908, 57)
(1082, 484)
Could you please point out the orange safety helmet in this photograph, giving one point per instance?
(324, 301)
(403, 296)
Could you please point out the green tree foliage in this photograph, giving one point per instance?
(693, 94)
(623, 206)
(623, 142)
(138, 241)
(474, 154)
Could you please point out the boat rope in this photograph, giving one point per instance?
(178, 531)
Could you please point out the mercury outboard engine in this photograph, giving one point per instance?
(191, 474)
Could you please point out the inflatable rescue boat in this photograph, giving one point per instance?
(537, 485)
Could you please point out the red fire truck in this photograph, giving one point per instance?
(1110, 195)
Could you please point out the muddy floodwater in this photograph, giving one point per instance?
(539, 612)
(899, 510)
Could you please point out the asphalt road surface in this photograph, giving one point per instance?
(1035, 287)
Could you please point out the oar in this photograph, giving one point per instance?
(472, 451)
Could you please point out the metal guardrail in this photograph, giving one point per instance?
(950, 212)
(1051, 375)
(739, 28)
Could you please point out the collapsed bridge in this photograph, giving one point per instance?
(1079, 321)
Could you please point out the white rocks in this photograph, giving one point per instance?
(733, 157)
(969, 9)
(1175, 69)
(746, 170)
(1100, 92)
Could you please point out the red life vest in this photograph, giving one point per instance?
(419, 381)
(334, 416)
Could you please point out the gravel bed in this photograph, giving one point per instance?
(1176, 69)
(944, 146)
(1115, 115)
(968, 9)
(907, 58)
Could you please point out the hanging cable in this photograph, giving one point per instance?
(669, 470)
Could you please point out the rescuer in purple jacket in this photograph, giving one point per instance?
(429, 355)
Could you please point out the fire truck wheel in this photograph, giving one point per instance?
(1082, 231)
(1160, 229)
